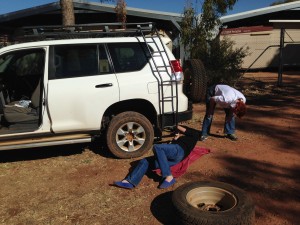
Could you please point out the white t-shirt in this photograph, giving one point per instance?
(226, 96)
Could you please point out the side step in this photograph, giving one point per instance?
(45, 141)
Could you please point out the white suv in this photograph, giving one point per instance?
(65, 91)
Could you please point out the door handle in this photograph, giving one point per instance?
(104, 85)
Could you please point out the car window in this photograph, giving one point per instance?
(23, 63)
(30, 64)
(128, 56)
(80, 60)
(21, 70)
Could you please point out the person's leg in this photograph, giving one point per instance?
(167, 155)
(207, 118)
(206, 125)
(136, 175)
(229, 125)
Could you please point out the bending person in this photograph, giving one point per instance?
(233, 102)
(165, 156)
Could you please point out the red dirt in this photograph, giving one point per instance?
(70, 184)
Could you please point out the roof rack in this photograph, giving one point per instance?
(94, 30)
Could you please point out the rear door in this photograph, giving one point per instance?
(81, 87)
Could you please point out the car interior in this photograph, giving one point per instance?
(21, 74)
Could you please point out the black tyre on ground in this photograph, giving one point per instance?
(195, 80)
(129, 135)
(213, 203)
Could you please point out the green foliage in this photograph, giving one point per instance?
(201, 39)
(186, 24)
(224, 62)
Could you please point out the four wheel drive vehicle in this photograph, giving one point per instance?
(124, 83)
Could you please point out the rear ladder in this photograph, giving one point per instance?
(159, 71)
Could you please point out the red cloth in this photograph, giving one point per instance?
(181, 167)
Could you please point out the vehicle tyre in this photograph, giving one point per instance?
(129, 135)
(195, 80)
(211, 203)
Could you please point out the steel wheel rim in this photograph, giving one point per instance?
(211, 199)
(130, 136)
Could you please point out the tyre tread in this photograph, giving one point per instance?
(197, 78)
(123, 118)
(242, 214)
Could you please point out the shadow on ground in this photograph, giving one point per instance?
(163, 209)
(274, 189)
(267, 104)
(97, 146)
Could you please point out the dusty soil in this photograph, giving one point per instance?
(71, 184)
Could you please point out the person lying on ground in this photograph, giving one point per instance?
(165, 156)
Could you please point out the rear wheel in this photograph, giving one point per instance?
(195, 80)
(129, 135)
(211, 203)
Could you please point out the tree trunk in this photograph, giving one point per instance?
(67, 9)
(121, 11)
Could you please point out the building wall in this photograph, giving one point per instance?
(263, 46)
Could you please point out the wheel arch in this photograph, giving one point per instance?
(141, 106)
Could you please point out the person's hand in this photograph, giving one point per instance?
(176, 136)
(229, 118)
(181, 129)
(209, 117)
(231, 114)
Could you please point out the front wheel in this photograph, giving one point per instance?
(211, 203)
(129, 135)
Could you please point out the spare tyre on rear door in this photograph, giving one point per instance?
(211, 203)
(195, 80)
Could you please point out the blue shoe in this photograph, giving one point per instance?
(123, 185)
(167, 184)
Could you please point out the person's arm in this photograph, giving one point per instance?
(188, 131)
(212, 105)
(231, 114)
(181, 129)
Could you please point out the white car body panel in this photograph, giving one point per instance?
(76, 103)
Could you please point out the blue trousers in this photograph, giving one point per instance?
(229, 125)
(165, 156)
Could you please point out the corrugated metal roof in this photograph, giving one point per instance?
(93, 6)
(261, 11)
(30, 11)
(96, 7)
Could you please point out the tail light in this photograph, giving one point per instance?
(176, 70)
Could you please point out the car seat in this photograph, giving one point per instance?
(14, 113)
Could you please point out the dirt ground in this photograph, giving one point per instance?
(71, 184)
